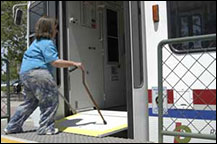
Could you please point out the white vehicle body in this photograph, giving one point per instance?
(94, 33)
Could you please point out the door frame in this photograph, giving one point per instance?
(137, 88)
(136, 130)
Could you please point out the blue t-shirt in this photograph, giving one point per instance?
(40, 54)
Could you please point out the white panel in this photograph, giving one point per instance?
(155, 32)
(84, 47)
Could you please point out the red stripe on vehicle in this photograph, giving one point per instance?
(149, 96)
(169, 93)
(207, 97)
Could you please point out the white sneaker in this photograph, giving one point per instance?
(6, 131)
(56, 131)
(11, 132)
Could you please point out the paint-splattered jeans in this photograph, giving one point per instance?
(41, 90)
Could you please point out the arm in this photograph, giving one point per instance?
(64, 63)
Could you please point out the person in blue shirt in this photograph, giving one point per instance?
(36, 74)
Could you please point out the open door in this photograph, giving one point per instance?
(95, 33)
(137, 93)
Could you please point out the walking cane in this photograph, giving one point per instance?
(66, 101)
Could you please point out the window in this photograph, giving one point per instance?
(37, 10)
(112, 35)
(192, 18)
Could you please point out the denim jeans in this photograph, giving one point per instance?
(41, 90)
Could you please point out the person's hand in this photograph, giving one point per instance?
(79, 65)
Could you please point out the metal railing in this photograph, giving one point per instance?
(5, 90)
(188, 64)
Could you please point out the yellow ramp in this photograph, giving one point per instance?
(90, 123)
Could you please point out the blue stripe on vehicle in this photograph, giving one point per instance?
(189, 114)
